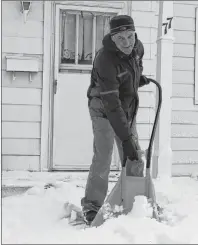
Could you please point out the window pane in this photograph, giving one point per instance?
(85, 38)
(68, 38)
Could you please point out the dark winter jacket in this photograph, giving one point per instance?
(115, 79)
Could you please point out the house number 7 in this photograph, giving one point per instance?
(167, 24)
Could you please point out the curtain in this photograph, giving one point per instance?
(85, 36)
(69, 35)
(102, 28)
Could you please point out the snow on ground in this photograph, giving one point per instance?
(36, 216)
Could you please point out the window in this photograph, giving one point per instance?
(196, 59)
(81, 35)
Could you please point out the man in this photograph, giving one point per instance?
(113, 103)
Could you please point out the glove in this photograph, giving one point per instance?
(143, 80)
(129, 149)
(135, 168)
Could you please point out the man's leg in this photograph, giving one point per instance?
(97, 183)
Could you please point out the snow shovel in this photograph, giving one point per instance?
(122, 196)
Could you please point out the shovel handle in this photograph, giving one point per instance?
(149, 151)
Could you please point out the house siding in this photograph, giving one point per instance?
(145, 15)
(184, 111)
(21, 99)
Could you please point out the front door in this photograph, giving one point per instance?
(78, 36)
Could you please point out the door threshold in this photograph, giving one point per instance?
(77, 170)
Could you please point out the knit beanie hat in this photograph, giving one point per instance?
(121, 23)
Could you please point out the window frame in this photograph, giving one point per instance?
(196, 57)
(76, 67)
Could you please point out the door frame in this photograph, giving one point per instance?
(48, 81)
(51, 67)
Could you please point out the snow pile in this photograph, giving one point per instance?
(37, 216)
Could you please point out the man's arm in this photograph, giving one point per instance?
(106, 73)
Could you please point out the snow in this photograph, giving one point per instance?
(36, 216)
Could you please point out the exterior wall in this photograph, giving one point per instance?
(184, 110)
(145, 15)
(21, 99)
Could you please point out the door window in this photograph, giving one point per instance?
(81, 36)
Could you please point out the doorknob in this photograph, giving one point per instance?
(55, 86)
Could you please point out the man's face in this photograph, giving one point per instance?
(124, 41)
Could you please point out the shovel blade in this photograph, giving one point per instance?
(123, 194)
